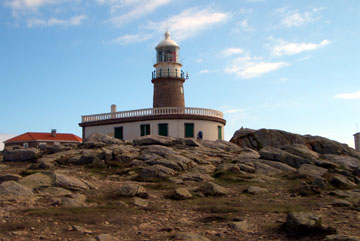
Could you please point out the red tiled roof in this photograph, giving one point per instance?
(39, 136)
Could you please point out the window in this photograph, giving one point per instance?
(118, 133)
(145, 129)
(189, 130)
(163, 129)
(26, 145)
(219, 132)
(181, 90)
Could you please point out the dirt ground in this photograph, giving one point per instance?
(210, 217)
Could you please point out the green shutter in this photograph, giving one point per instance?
(118, 133)
(163, 129)
(145, 129)
(219, 132)
(189, 130)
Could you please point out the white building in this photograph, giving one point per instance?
(357, 141)
(169, 116)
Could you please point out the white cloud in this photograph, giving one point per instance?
(190, 22)
(204, 71)
(250, 67)
(138, 8)
(132, 38)
(348, 96)
(29, 4)
(294, 18)
(74, 21)
(232, 51)
(287, 48)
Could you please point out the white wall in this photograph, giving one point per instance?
(176, 128)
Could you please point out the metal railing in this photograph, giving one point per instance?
(164, 73)
(153, 112)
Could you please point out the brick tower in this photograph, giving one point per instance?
(168, 78)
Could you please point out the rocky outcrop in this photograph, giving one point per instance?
(20, 154)
(306, 224)
(258, 139)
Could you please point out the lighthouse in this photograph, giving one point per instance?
(168, 78)
(169, 115)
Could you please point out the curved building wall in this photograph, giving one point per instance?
(176, 128)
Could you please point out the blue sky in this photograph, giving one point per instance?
(290, 65)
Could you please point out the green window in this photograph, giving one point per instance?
(145, 129)
(163, 129)
(220, 133)
(189, 130)
(118, 133)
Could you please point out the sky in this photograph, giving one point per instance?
(279, 64)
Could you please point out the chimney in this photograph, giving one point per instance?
(53, 132)
(113, 108)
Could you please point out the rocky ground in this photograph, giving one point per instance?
(265, 185)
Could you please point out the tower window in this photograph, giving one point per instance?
(189, 130)
(181, 90)
(145, 129)
(163, 129)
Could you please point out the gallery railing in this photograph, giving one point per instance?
(153, 112)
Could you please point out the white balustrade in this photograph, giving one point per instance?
(153, 112)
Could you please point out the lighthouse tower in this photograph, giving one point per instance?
(169, 116)
(168, 78)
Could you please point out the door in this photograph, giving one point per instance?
(219, 132)
(118, 133)
(189, 130)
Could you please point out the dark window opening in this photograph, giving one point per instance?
(145, 129)
(189, 130)
(118, 133)
(163, 129)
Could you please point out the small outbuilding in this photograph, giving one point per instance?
(36, 139)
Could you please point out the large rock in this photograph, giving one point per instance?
(188, 237)
(257, 139)
(9, 177)
(311, 170)
(342, 182)
(155, 140)
(301, 151)
(98, 137)
(347, 162)
(20, 154)
(155, 172)
(12, 188)
(157, 150)
(70, 183)
(306, 224)
(255, 190)
(180, 194)
(196, 177)
(37, 180)
(212, 189)
(166, 163)
(275, 154)
(131, 190)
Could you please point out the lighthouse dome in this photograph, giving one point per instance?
(167, 42)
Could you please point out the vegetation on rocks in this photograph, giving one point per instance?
(265, 184)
